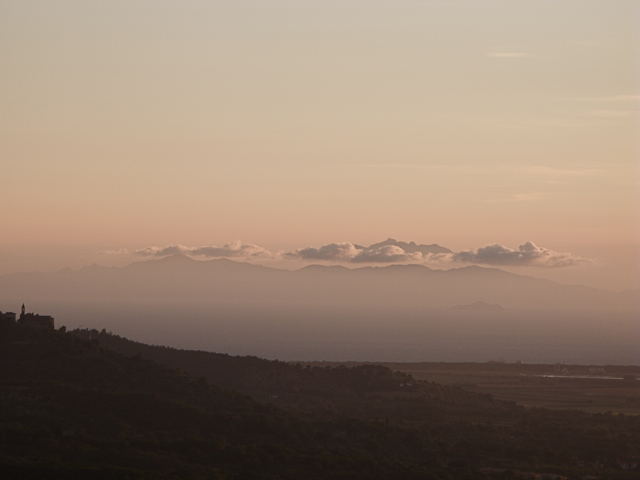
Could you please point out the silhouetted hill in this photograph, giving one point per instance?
(262, 378)
(71, 409)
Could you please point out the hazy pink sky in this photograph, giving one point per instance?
(288, 124)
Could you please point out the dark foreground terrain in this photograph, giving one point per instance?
(107, 408)
(595, 389)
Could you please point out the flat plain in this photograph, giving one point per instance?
(573, 387)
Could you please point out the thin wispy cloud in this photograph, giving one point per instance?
(510, 126)
(586, 118)
(413, 166)
(397, 165)
(562, 123)
(559, 172)
(610, 113)
(523, 197)
(508, 54)
(613, 98)
(120, 251)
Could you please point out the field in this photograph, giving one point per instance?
(573, 387)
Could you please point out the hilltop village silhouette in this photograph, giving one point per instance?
(27, 319)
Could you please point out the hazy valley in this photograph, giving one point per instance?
(395, 313)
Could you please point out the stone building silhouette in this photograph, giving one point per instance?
(7, 318)
(34, 320)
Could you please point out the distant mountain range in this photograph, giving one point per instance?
(409, 247)
(181, 277)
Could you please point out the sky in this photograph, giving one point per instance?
(126, 126)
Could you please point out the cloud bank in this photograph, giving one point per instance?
(348, 252)
(332, 252)
(232, 249)
(528, 254)
(390, 251)
(386, 254)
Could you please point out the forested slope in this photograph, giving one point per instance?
(72, 409)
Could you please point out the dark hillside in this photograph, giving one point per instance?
(288, 384)
(371, 392)
(265, 378)
(72, 409)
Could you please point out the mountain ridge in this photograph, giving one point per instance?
(225, 279)
(410, 247)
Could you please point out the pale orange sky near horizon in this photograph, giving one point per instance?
(295, 123)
